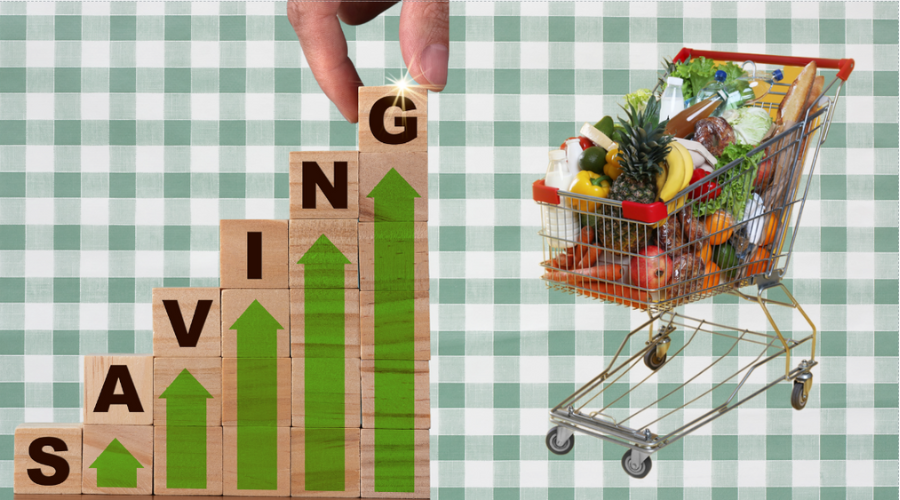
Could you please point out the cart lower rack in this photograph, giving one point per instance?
(616, 406)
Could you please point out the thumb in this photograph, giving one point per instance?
(425, 41)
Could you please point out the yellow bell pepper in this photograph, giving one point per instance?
(589, 184)
(612, 167)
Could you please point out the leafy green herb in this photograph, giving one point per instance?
(697, 73)
(737, 183)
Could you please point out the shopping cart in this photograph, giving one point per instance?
(619, 228)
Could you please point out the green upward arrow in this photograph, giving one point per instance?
(394, 198)
(323, 265)
(185, 432)
(116, 467)
(257, 399)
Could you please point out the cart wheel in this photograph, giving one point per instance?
(798, 399)
(554, 447)
(652, 361)
(636, 470)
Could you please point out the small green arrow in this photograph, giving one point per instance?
(116, 467)
(257, 399)
(323, 265)
(186, 432)
(394, 198)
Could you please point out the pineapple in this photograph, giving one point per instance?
(643, 147)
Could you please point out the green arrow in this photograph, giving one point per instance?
(257, 399)
(395, 460)
(116, 467)
(393, 198)
(185, 432)
(323, 265)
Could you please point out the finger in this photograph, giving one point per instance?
(425, 41)
(356, 13)
(325, 48)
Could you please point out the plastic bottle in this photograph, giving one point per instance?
(683, 124)
(761, 82)
(559, 224)
(713, 88)
(672, 101)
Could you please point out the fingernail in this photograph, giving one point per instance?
(434, 62)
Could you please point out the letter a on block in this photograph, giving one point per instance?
(118, 390)
(324, 185)
(393, 119)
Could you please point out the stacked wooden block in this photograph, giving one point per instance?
(306, 374)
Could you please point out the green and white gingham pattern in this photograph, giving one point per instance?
(127, 130)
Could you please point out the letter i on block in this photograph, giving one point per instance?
(118, 389)
(324, 185)
(48, 459)
(253, 253)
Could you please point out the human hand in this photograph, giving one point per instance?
(424, 42)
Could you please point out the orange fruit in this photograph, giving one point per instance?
(769, 230)
(712, 276)
(759, 262)
(719, 225)
(706, 254)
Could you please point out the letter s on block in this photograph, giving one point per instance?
(37, 453)
(408, 124)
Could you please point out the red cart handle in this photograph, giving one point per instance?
(844, 66)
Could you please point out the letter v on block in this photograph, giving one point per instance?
(186, 322)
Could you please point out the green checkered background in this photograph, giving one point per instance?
(127, 130)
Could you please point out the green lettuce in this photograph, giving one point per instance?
(697, 73)
(736, 183)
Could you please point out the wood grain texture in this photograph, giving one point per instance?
(137, 439)
(340, 232)
(350, 467)
(213, 464)
(165, 343)
(229, 465)
(347, 347)
(412, 166)
(70, 435)
(417, 375)
(140, 371)
(235, 302)
(369, 96)
(229, 391)
(420, 341)
(301, 391)
(323, 207)
(207, 371)
(422, 467)
(367, 280)
(233, 265)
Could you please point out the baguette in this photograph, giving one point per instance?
(793, 103)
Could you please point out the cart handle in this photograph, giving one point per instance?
(844, 66)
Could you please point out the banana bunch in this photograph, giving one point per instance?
(678, 176)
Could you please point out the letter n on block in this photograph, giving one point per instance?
(324, 185)
(118, 390)
(48, 459)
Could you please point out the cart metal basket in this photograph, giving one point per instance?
(611, 233)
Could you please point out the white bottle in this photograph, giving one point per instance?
(672, 101)
(559, 224)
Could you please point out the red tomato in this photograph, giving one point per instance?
(709, 190)
(585, 142)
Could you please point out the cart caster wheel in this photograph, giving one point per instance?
(652, 361)
(636, 470)
(555, 447)
(799, 397)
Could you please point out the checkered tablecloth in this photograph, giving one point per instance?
(128, 129)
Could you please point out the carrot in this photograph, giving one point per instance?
(617, 293)
(564, 260)
(579, 254)
(609, 272)
(590, 258)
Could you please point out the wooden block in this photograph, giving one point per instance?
(118, 389)
(393, 196)
(327, 449)
(324, 253)
(387, 478)
(118, 460)
(253, 253)
(393, 119)
(401, 331)
(256, 387)
(318, 397)
(394, 271)
(186, 322)
(47, 459)
(401, 384)
(185, 381)
(328, 338)
(265, 334)
(196, 465)
(257, 471)
(324, 185)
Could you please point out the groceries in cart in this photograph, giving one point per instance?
(686, 191)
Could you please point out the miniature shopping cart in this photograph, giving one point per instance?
(603, 407)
